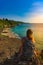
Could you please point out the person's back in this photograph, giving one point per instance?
(28, 51)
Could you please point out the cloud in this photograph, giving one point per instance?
(36, 15)
(37, 4)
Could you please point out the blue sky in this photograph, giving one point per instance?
(22, 10)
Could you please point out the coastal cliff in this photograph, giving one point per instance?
(8, 47)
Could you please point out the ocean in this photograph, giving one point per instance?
(37, 32)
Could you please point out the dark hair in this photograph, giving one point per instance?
(29, 31)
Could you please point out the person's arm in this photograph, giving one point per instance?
(20, 49)
(34, 48)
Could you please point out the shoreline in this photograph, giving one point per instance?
(9, 33)
(9, 44)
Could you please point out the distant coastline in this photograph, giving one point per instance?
(6, 25)
(9, 23)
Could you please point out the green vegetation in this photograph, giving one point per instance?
(8, 23)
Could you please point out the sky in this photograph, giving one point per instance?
(30, 11)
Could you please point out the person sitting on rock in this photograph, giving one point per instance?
(27, 51)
